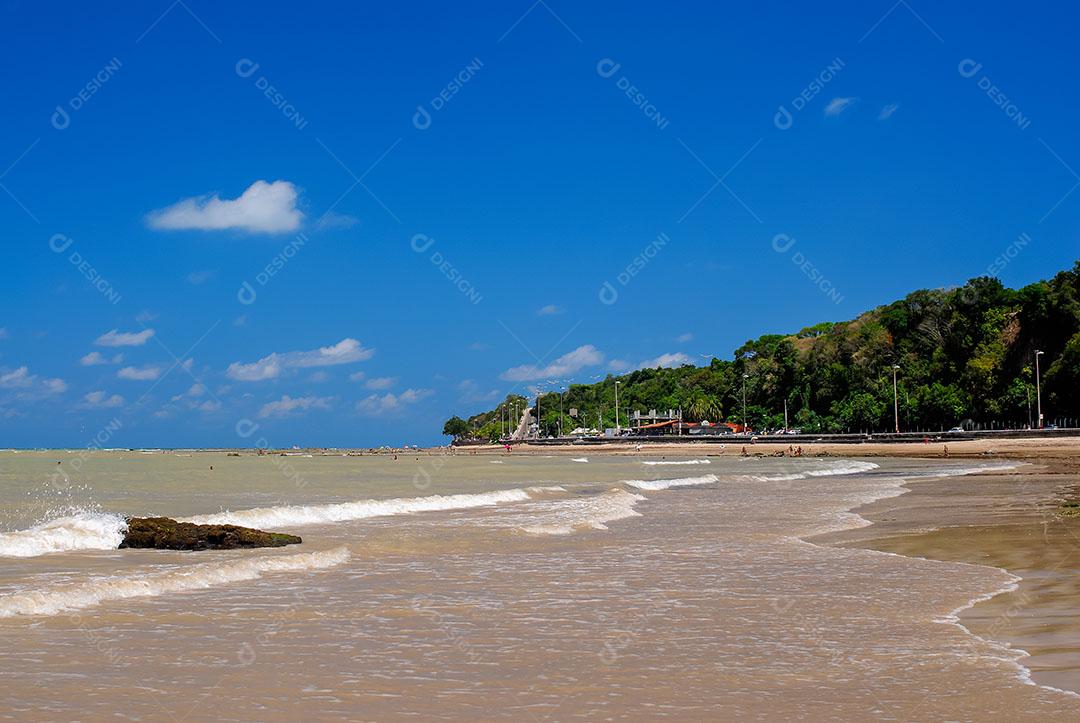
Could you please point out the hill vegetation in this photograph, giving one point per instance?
(964, 355)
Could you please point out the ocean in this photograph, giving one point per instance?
(487, 587)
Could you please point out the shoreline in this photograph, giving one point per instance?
(1006, 521)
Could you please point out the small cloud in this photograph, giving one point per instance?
(888, 110)
(95, 358)
(124, 338)
(675, 359)
(210, 405)
(201, 277)
(319, 377)
(837, 106)
(144, 316)
(345, 351)
(479, 346)
(17, 379)
(140, 374)
(683, 338)
(380, 382)
(288, 405)
(471, 392)
(389, 403)
(4, 332)
(331, 220)
(356, 377)
(550, 310)
(262, 208)
(101, 400)
(22, 379)
(569, 363)
(240, 320)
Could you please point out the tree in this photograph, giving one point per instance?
(456, 427)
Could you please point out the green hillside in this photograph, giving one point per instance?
(964, 354)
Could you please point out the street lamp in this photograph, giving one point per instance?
(617, 428)
(1038, 390)
(895, 403)
(744, 378)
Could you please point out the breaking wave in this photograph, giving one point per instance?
(840, 468)
(676, 461)
(82, 531)
(269, 518)
(77, 596)
(664, 484)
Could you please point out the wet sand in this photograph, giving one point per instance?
(1012, 521)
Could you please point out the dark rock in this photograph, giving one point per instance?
(163, 533)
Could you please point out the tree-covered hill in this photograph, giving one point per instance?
(965, 354)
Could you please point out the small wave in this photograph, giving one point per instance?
(664, 484)
(50, 601)
(579, 459)
(678, 461)
(842, 468)
(83, 531)
(268, 518)
(591, 512)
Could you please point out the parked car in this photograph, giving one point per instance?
(956, 429)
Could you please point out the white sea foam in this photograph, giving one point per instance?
(832, 470)
(590, 512)
(269, 518)
(77, 596)
(83, 531)
(663, 484)
(675, 461)
(579, 459)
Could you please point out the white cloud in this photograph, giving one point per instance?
(356, 377)
(319, 377)
(287, 405)
(140, 374)
(389, 403)
(683, 338)
(240, 320)
(888, 110)
(144, 316)
(101, 400)
(570, 363)
(345, 351)
(550, 310)
(837, 106)
(22, 379)
(471, 392)
(335, 220)
(200, 277)
(124, 338)
(3, 332)
(262, 208)
(673, 359)
(95, 358)
(676, 359)
(210, 405)
(380, 382)
(479, 346)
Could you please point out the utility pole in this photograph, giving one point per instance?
(785, 416)
(1038, 389)
(744, 378)
(895, 402)
(617, 428)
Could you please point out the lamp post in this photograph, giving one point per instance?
(745, 376)
(895, 402)
(1038, 390)
(617, 428)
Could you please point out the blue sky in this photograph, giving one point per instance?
(459, 200)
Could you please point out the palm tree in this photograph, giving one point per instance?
(703, 406)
